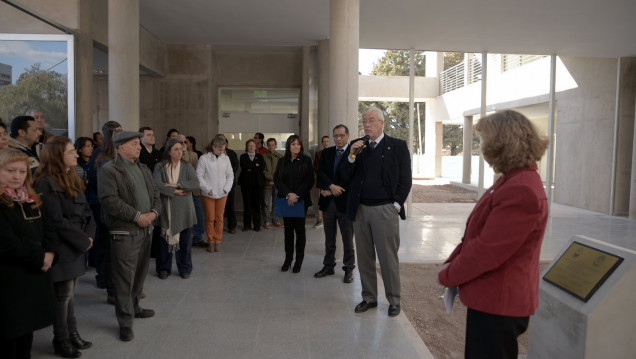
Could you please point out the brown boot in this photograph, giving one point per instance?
(217, 246)
(210, 248)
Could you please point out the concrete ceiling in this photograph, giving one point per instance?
(592, 28)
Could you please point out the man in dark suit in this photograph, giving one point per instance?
(380, 182)
(333, 204)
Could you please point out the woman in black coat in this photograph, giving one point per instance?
(293, 179)
(251, 180)
(27, 250)
(64, 203)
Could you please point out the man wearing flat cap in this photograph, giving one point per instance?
(131, 203)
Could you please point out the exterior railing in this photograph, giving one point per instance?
(455, 77)
(509, 61)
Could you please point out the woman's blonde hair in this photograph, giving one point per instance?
(510, 140)
(10, 155)
(52, 164)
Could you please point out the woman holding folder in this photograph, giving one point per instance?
(293, 179)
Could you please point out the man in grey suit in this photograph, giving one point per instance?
(130, 203)
(380, 173)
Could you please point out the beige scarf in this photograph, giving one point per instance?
(171, 238)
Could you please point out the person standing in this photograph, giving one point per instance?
(293, 180)
(269, 191)
(216, 179)
(24, 135)
(27, 251)
(130, 203)
(40, 122)
(496, 265)
(149, 155)
(251, 181)
(333, 204)
(315, 192)
(64, 203)
(4, 136)
(229, 211)
(259, 138)
(380, 182)
(192, 158)
(176, 181)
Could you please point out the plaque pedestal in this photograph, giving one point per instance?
(603, 327)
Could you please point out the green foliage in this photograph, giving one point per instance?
(39, 89)
(452, 58)
(454, 139)
(396, 63)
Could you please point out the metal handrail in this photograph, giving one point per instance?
(512, 61)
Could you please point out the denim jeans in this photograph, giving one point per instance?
(64, 321)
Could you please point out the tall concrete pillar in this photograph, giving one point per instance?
(344, 43)
(323, 89)
(439, 139)
(84, 73)
(123, 63)
(434, 63)
(632, 192)
(468, 149)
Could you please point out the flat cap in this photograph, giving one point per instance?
(125, 136)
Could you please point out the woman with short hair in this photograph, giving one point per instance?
(27, 250)
(176, 181)
(251, 180)
(496, 265)
(64, 203)
(215, 178)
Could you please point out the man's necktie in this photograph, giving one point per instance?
(339, 153)
(372, 144)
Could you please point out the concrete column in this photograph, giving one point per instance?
(439, 136)
(344, 33)
(434, 63)
(84, 73)
(123, 63)
(632, 192)
(432, 142)
(323, 89)
(468, 148)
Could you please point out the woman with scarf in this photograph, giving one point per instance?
(27, 250)
(176, 181)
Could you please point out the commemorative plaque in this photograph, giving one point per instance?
(581, 270)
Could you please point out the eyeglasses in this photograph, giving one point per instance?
(186, 142)
(71, 153)
(338, 136)
(28, 218)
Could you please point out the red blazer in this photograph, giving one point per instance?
(496, 266)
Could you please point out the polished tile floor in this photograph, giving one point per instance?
(238, 304)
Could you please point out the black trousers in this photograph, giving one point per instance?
(230, 213)
(297, 225)
(490, 336)
(64, 321)
(17, 348)
(332, 219)
(251, 206)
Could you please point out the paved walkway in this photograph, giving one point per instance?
(238, 304)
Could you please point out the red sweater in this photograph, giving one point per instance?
(496, 266)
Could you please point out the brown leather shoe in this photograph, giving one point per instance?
(143, 295)
(232, 230)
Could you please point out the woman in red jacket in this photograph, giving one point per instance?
(496, 266)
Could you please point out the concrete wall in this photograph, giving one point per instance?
(14, 21)
(585, 134)
(625, 136)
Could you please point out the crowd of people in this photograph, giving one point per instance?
(113, 201)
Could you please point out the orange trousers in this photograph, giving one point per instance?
(214, 208)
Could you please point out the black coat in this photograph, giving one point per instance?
(295, 176)
(26, 293)
(328, 176)
(252, 172)
(74, 224)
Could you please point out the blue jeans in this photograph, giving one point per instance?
(183, 256)
(198, 232)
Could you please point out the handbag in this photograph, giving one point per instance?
(283, 209)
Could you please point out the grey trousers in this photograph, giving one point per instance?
(130, 259)
(377, 230)
(333, 219)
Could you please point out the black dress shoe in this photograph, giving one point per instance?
(163, 274)
(364, 306)
(325, 271)
(348, 277)
(145, 313)
(78, 342)
(285, 266)
(63, 348)
(394, 310)
(257, 229)
(126, 334)
(245, 229)
(297, 266)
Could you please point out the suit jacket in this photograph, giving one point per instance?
(396, 174)
(496, 266)
(251, 174)
(327, 176)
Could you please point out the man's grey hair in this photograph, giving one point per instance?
(377, 112)
(30, 112)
